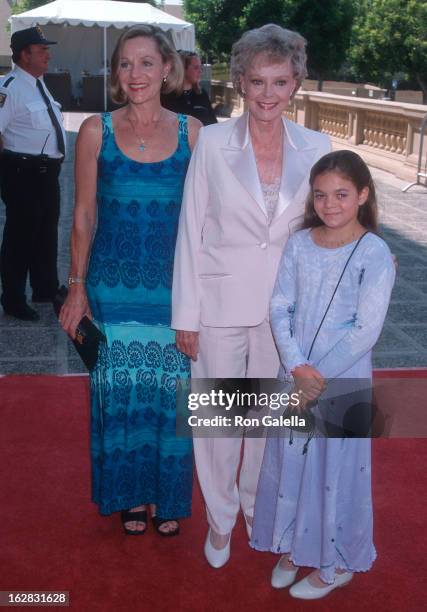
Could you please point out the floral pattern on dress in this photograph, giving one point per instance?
(136, 456)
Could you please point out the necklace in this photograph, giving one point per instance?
(142, 142)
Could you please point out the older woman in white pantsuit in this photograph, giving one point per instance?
(245, 190)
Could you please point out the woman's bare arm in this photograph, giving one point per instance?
(87, 150)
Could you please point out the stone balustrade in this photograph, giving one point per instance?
(386, 134)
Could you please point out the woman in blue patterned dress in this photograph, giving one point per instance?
(130, 171)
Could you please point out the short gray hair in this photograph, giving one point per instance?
(276, 43)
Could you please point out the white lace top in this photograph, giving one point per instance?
(270, 191)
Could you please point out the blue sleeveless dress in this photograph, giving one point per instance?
(136, 456)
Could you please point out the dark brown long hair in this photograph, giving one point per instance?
(352, 167)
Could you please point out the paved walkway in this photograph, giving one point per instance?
(42, 347)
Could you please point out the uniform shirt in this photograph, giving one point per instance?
(25, 125)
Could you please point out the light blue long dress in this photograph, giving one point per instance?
(317, 506)
(136, 456)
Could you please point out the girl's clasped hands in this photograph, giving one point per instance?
(309, 384)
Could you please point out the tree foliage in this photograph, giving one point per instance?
(326, 25)
(217, 24)
(26, 5)
(390, 37)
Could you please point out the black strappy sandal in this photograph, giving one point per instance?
(127, 517)
(158, 522)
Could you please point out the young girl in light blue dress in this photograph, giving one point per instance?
(314, 503)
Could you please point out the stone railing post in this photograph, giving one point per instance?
(358, 127)
(410, 141)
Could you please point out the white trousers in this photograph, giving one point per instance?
(231, 352)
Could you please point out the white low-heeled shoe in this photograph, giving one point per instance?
(216, 557)
(304, 590)
(281, 578)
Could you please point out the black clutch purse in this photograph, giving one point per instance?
(88, 336)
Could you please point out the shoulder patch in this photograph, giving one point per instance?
(3, 86)
(8, 81)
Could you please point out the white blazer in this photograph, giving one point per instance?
(226, 254)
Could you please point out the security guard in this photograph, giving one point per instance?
(33, 147)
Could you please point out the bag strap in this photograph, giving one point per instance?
(333, 295)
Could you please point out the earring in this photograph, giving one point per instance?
(243, 93)
(165, 78)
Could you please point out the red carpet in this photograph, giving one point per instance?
(52, 538)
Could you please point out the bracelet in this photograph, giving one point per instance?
(75, 280)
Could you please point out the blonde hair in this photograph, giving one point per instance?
(165, 48)
(187, 58)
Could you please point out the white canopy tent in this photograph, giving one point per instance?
(80, 50)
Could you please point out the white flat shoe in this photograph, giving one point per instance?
(216, 557)
(281, 578)
(304, 590)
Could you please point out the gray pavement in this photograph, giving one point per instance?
(42, 347)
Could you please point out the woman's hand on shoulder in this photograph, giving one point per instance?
(194, 126)
(75, 307)
(188, 343)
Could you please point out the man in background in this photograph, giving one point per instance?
(33, 148)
